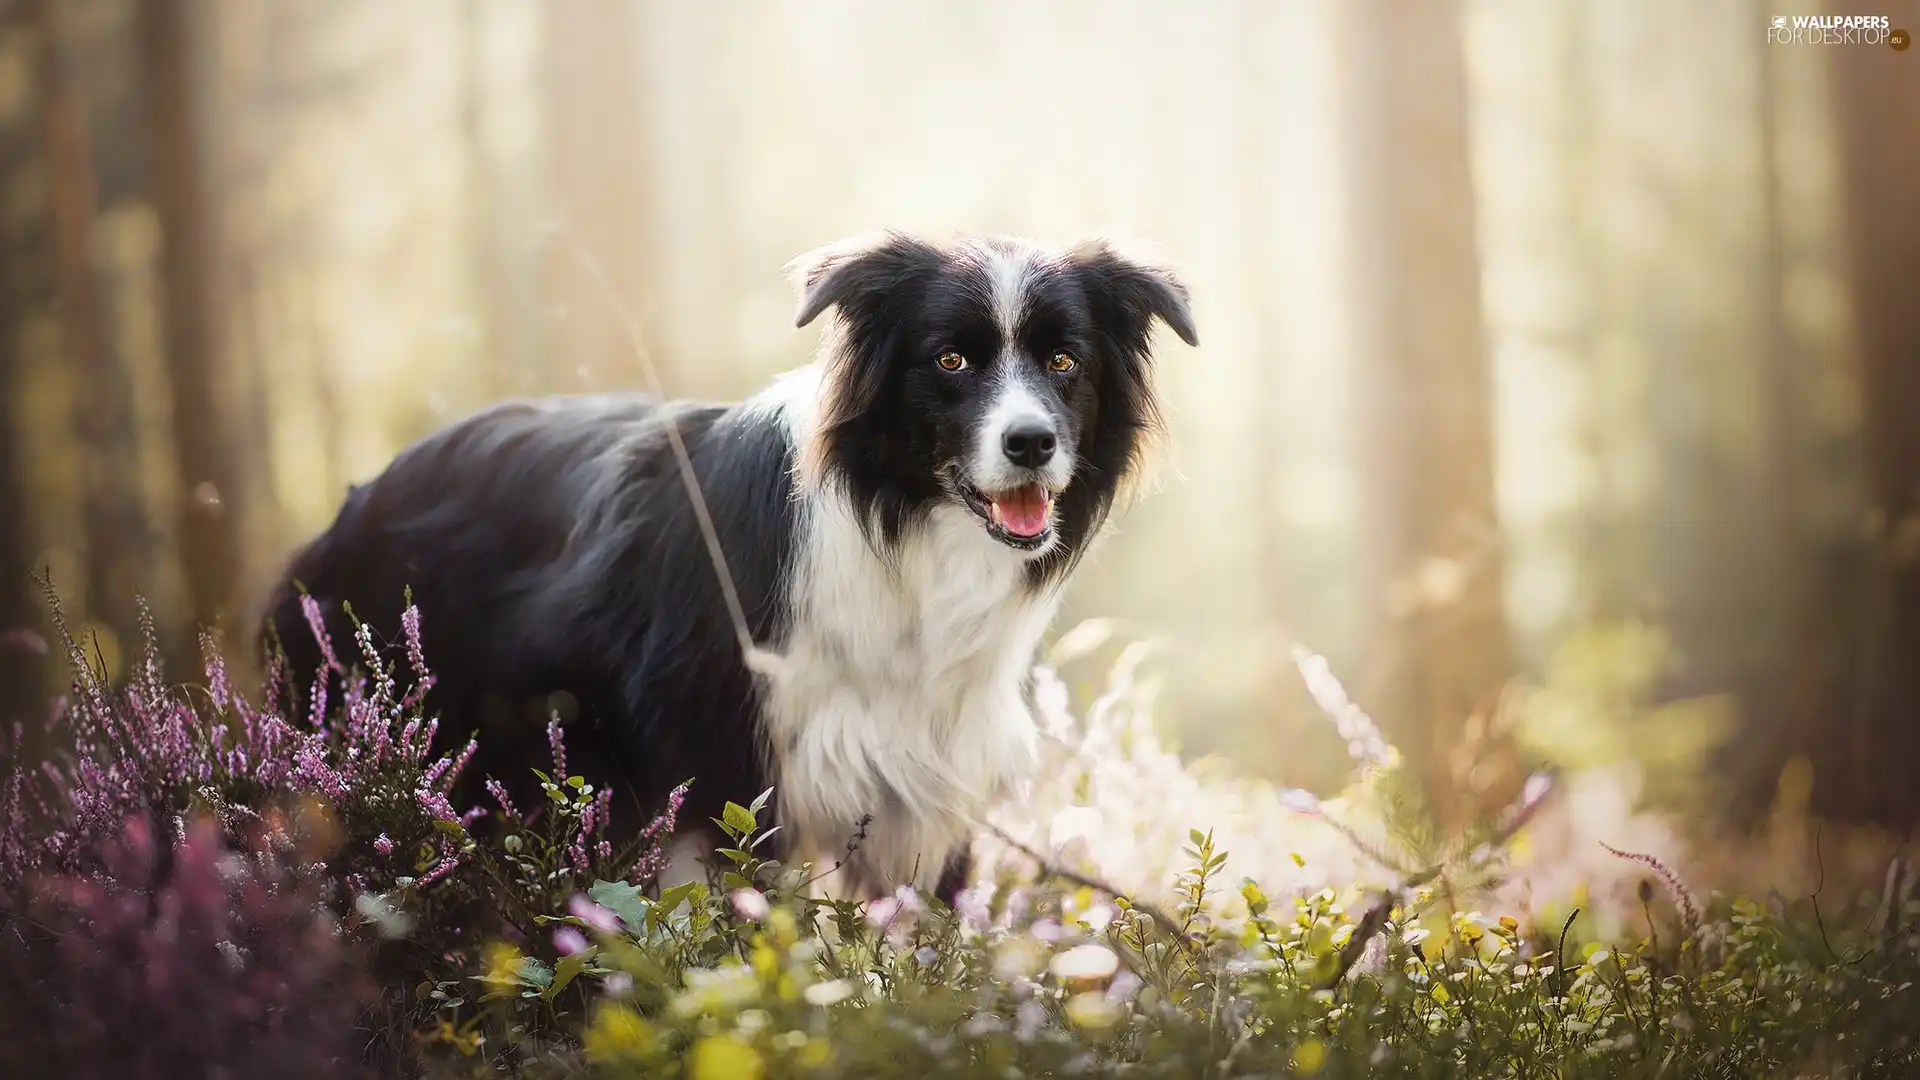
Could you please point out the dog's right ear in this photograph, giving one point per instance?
(855, 270)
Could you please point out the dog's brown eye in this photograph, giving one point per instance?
(952, 361)
(1062, 362)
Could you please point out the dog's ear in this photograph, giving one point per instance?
(1134, 289)
(854, 270)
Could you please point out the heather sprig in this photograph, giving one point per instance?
(152, 750)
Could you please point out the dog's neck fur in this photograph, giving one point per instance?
(903, 691)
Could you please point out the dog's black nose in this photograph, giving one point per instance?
(1028, 445)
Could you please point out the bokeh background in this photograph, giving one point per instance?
(1560, 377)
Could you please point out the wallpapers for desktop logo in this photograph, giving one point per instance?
(1837, 30)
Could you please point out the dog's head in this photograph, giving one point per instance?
(988, 374)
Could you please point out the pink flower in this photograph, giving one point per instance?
(593, 914)
(750, 904)
(883, 911)
(974, 904)
(569, 941)
(383, 845)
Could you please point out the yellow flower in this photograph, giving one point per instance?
(502, 968)
(816, 1053)
(616, 1034)
(786, 929)
(723, 1057)
(1092, 1010)
(765, 960)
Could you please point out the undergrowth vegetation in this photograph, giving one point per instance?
(194, 882)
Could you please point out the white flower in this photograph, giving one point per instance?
(1017, 957)
(1099, 916)
(1073, 823)
(828, 993)
(1029, 1018)
(716, 990)
(1086, 962)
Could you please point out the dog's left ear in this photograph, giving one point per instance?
(1139, 290)
(851, 271)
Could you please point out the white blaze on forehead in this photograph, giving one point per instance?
(1008, 272)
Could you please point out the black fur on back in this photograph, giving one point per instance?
(554, 554)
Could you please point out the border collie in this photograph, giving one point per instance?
(898, 519)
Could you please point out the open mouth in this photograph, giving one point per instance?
(1020, 517)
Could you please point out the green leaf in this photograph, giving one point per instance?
(535, 973)
(699, 915)
(740, 819)
(624, 900)
(576, 782)
(566, 968)
(760, 803)
(764, 837)
(669, 900)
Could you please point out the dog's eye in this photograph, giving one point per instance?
(952, 361)
(1062, 363)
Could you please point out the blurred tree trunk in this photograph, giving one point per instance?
(1800, 684)
(22, 646)
(118, 536)
(21, 666)
(207, 454)
(1871, 765)
(596, 150)
(1424, 398)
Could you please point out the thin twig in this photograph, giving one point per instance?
(1370, 924)
(756, 659)
(1049, 868)
(1820, 863)
(1373, 922)
(853, 845)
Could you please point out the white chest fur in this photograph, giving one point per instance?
(902, 692)
(902, 695)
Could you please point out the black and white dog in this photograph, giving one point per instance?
(899, 519)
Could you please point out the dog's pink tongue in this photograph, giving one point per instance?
(1023, 511)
